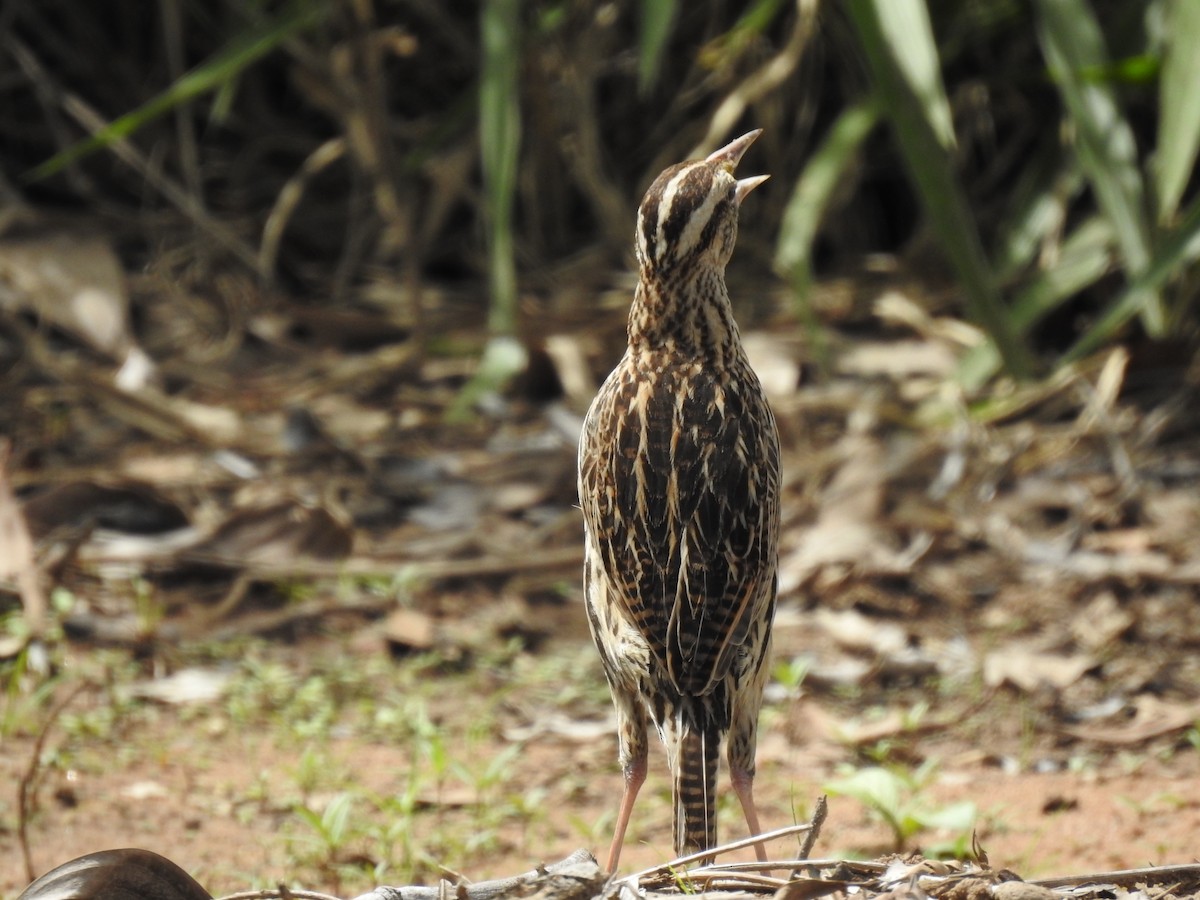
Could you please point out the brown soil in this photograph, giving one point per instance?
(1006, 601)
(216, 799)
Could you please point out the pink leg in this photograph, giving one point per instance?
(635, 776)
(743, 786)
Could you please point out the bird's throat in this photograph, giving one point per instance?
(692, 319)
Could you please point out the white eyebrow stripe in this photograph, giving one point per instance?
(698, 221)
(665, 208)
(641, 234)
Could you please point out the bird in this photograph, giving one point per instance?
(679, 487)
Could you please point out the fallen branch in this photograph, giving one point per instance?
(577, 877)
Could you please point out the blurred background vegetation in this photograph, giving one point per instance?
(1029, 163)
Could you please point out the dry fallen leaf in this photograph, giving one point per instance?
(277, 535)
(1030, 670)
(408, 630)
(851, 629)
(1152, 718)
(183, 688)
(1102, 622)
(16, 554)
(75, 282)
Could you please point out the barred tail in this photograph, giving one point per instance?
(695, 788)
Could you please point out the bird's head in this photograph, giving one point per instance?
(689, 214)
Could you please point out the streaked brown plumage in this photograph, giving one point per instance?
(679, 486)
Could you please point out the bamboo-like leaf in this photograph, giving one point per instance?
(909, 35)
(754, 21)
(825, 170)
(930, 167)
(215, 74)
(657, 18)
(806, 209)
(500, 139)
(1044, 189)
(1073, 46)
(1179, 101)
(1083, 259)
(1179, 249)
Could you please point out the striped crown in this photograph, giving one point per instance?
(689, 214)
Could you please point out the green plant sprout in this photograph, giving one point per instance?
(898, 798)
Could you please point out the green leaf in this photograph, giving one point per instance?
(1073, 45)
(825, 171)
(908, 33)
(336, 817)
(1132, 70)
(217, 74)
(1181, 248)
(931, 169)
(657, 18)
(958, 816)
(1044, 189)
(1082, 260)
(500, 141)
(503, 358)
(753, 22)
(875, 787)
(1179, 99)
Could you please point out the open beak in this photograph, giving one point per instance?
(731, 154)
(746, 185)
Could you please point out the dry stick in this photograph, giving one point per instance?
(24, 789)
(289, 198)
(669, 867)
(815, 863)
(189, 155)
(1126, 877)
(124, 150)
(373, 148)
(48, 96)
(763, 80)
(532, 559)
(275, 894)
(516, 885)
(814, 830)
(232, 599)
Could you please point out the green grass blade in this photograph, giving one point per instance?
(213, 75)
(1082, 260)
(909, 35)
(500, 143)
(1179, 104)
(500, 140)
(932, 171)
(825, 171)
(1180, 248)
(657, 19)
(1044, 189)
(1084, 257)
(814, 189)
(1073, 46)
(753, 22)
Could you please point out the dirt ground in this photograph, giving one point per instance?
(215, 798)
(994, 602)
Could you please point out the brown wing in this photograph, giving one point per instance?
(679, 485)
